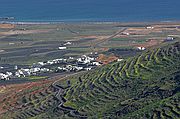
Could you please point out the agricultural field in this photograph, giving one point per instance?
(144, 86)
(131, 83)
(26, 44)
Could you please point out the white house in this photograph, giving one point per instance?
(169, 38)
(78, 68)
(68, 43)
(41, 63)
(126, 33)
(1, 67)
(44, 70)
(23, 72)
(50, 62)
(96, 63)
(119, 60)
(62, 48)
(149, 27)
(4, 76)
(10, 74)
(34, 70)
(141, 48)
(88, 68)
(85, 59)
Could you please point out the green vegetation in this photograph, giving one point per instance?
(36, 77)
(145, 86)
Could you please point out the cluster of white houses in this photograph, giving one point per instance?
(82, 63)
(31, 71)
(6, 76)
(49, 62)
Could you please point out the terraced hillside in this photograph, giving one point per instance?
(145, 86)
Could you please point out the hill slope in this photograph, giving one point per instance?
(145, 86)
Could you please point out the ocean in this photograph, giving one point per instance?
(91, 10)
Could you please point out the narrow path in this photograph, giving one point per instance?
(59, 96)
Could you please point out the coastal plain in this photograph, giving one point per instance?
(29, 43)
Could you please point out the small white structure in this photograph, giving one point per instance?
(141, 48)
(62, 48)
(149, 27)
(50, 62)
(88, 68)
(78, 68)
(10, 74)
(23, 72)
(44, 70)
(68, 43)
(41, 63)
(62, 69)
(1, 50)
(34, 70)
(11, 43)
(71, 58)
(96, 63)
(119, 60)
(4, 76)
(85, 59)
(1, 67)
(16, 67)
(126, 33)
(169, 38)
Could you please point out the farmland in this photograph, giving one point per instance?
(25, 44)
(130, 83)
(145, 86)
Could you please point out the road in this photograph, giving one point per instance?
(110, 37)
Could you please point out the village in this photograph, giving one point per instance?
(71, 64)
(62, 65)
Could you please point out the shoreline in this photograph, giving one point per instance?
(89, 22)
(46, 22)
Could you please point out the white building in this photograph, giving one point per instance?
(78, 68)
(88, 68)
(4, 76)
(1, 67)
(62, 48)
(149, 27)
(62, 69)
(68, 43)
(126, 33)
(85, 59)
(141, 48)
(10, 74)
(50, 62)
(44, 70)
(41, 63)
(23, 72)
(34, 70)
(96, 63)
(169, 38)
(119, 60)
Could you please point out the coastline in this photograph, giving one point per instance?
(84, 22)
(87, 20)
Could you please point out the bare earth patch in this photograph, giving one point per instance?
(16, 32)
(106, 59)
(7, 26)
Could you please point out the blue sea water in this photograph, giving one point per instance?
(91, 10)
